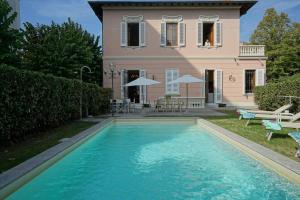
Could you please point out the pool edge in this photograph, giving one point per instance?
(282, 165)
(16, 177)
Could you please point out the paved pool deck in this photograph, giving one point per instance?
(203, 112)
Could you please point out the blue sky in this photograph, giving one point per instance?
(45, 11)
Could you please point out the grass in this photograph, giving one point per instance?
(14, 155)
(281, 142)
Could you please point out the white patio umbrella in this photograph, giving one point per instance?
(142, 82)
(187, 79)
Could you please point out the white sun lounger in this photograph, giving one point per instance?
(278, 117)
(291, 124)
(275, 112)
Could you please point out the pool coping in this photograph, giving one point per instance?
(281, 164)
(15, 177)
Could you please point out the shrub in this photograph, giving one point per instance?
(31, 102)
(267, 97)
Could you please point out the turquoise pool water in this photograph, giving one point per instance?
(157, 161)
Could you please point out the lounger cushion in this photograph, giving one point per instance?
(296, 136)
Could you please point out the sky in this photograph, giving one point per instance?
(46, 11)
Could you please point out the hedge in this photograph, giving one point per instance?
(267, 97)
(31, 102)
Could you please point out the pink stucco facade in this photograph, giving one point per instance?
(188, 59)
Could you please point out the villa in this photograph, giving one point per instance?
(162, 40)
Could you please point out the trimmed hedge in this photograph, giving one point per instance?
(31, 102)
(267, 97)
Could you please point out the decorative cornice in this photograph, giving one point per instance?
(179, 58)
(133, 18)
(212, 18)
(177, 18)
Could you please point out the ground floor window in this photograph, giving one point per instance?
(171, 75)
(249, 81)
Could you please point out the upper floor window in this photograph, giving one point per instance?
(172, 37)
(208, 34)
(172, 31)
(132, 31)
(133, 38)
(209, 31)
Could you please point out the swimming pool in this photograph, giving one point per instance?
(157, 161)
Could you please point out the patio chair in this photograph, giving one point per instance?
(160, 105)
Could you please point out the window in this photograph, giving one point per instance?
(208, 34)
(171, 75)
(172, 30)
(209, 31)
(133, 34)
(249, 81)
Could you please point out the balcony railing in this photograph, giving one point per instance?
(252, 50)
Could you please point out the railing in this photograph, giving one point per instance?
(252, 50)
(193, 102)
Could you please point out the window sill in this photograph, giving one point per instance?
(172, 47)
(249, 94)
(133, 47)
(172, 94)
(210, 47)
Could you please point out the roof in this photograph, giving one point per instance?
(98, 4)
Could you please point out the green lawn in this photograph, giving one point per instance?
(14, 155)
(280, 142)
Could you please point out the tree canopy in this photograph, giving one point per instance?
(61, 50)
(282, 40)
(9, 38)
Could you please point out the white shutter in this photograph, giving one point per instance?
(142, 34)
(202, 85)
(169, 75)
(123, 34)
(175, 86)
(163, 35)
(181, 34)
(123, 83)
(200, 34)
(244, 82)
(218, 34)
(218, 86)
(143, 91)
(260, 77)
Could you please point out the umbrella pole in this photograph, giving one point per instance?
(187, 94)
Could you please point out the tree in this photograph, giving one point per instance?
(61, 50)
(270, 32)
(271, 29)
(9, 38)
(288, 59)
